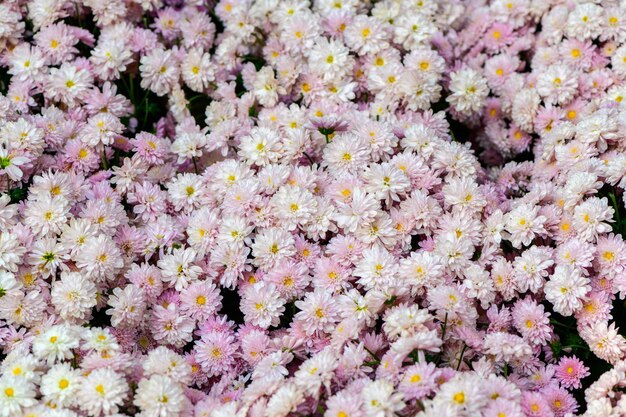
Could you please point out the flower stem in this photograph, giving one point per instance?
(105, 164)
(458, 365)
(373, 355)
(195, 165)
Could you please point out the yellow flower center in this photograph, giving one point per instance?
(459, 397)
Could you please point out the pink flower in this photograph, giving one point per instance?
(570, 371)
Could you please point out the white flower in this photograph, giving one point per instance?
(421, 269)
(73, 295)
(361, 210)
(468, 91)
(330, 59)
(376, 269)
(110, 56)
(159, 71)
(8, 283)
(163, 361)
(265, 87)
(464, 194)
(557, 84)
(102, 392)
(585, 21)
(413, 30)
(61, 384)
(532, 267)
(293, 206)
(284, 401)
(15, 393)
(100, 258)
(261, 146)
(56, 343)
(525, 106)
(159, 396)
(197, 70)
(272, 245)
(461, 395)
(605, 341)
(19, 365)
(188, 145)
(478, 284)
(127, 306)
(47, 255)
(347, 153)
(179, 268)
(316, 372)
(103, 128)
(262, 305)
(524, 223)
(99, 340)
(366, 35)
(590, 218)
(380, 400)
(386, 182)
(10, 164)
(506, 347)
(567, 289)
(8, 212)
(186, 191)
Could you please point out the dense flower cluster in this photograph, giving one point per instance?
(335, 208)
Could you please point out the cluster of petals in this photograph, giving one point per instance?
(344, 208)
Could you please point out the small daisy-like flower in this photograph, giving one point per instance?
(215, 352)
(15, 395)
(567, 289)
(100, 258)
(10, 164)
(102, 392)
(61, 384)
(159, 71)
(159, 396)
(570, 371)
(73, 296)
(469, 91)
(179, 268)
(56, 343)
(262, 305)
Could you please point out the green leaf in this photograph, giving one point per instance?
(391, 300)
(556, 348)
(18, 194)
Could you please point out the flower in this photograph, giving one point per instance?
(61, 384)
(380, 400)
(15, 395)
(73, 296)
(469, 91)
(179, 268)
(566, 289)
(102, 391)
(56, 343)
(10, 164)
(159, 396)
(570, 371)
